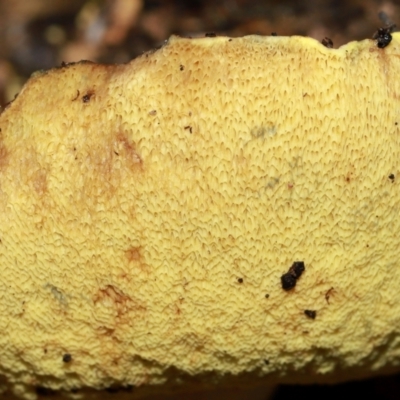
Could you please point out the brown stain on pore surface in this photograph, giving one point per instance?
(105, 155)
(3, 153)
(3, 164)
(39, 181)
(111, 296)
(134, 256)
(109, 163)
(387, 69)
(126, 148)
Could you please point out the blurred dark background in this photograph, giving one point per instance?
(40, 34)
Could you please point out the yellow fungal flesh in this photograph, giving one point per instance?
(134, 198)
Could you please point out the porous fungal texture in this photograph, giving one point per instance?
(133, 198)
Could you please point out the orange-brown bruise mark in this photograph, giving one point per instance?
(110, 296)
(329, 293)
(133, 254)
(177, 308)
(104, 331)
(3, 153)
(349, 177)
(109, 163)
(127, 149)
(39, 181)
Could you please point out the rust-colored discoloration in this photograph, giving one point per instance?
(351, 174)
(104, 331)
(127, 148)
(111, 296)
(39, 181)
(133, 254)
(329, 293)
(77, 95)
(3, 152)
(108, 164)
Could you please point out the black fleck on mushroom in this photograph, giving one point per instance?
(310, 313)
(327, 42)
(297, 269)
(44, 391)
(117, 389)
(86, 98)
(289, 279)
(67, 358)
(383, 36)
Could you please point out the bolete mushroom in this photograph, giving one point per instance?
(148, 212)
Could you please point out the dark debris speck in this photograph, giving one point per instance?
(44, 391)
(310, 313)
(297, 269)
(327, 42)
(289, 279)
(116, 389)
(86, 98)
(67, 358)
(383, 36)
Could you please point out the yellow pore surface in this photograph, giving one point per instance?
(148, 211)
